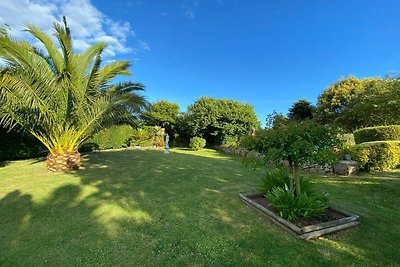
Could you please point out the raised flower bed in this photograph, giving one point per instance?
(333, 221)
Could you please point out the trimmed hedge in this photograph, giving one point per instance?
(378, 155)
(113, 137)
(378, 133)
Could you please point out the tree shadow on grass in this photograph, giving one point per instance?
(150, 209)
(4, 163)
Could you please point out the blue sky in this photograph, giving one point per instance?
(265, 53)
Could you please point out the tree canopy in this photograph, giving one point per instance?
(355, 103)
(163, 114)
(304, 142)
(221, 121)
(301, 110)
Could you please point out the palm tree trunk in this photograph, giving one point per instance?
(66, 161)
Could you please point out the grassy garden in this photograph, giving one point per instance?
(145, 208)
(128, 207)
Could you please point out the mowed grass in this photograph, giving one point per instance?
(146, 208)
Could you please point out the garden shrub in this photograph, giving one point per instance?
(147, 136)
(16, 145)
(197, 143)
(309, 204)
(378, 155)
(292, 207)
(378, 133)
(116, 136)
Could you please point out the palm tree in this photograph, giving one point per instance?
(62, 97)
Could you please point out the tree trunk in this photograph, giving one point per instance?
(297, 178)
(292, 176)
(66, 161)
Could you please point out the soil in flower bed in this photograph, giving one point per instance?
(330, 215)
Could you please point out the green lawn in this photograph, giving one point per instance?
(145, 208)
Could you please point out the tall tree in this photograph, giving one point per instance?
(337, 97)
(62, 97)
(163, 114)
(221, 121)
(301, 110)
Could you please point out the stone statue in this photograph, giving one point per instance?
(166, 150)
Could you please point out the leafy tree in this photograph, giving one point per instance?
(299, 143)
(275, 119)
(301, 110)
(334, 100)
(221, 121)
(63, 97)
(163, 114)
(376, 105)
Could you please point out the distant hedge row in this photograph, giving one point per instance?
(378, 133)
(113, 137)
(120, 136)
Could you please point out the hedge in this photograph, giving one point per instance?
(147, 136)
(378, 155)
(378, 133)
(117, 136)
(16, 145)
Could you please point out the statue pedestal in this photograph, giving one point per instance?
(166, 150)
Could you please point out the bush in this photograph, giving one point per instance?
(378, 133)
(379, 155)
(147, 136)
(19, 145)
(197, 143)
(117, 136)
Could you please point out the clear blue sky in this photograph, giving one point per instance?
(262, 52)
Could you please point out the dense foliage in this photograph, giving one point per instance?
(197, 143)
(116, 136)
(378, 104)
(147, 136)
(19, 145)
(221, 121)
(163, 114)
(301, 110)
(378, 155)
(355, 103)
(378, 133)
(298, 143)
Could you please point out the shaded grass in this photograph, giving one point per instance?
(145, 208)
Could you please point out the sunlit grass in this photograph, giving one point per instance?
(147, 208)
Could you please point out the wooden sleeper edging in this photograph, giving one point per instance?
(308, 231)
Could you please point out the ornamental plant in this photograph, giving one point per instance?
(62, 97)
(197, 143)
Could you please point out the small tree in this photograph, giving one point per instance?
(300, 143)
